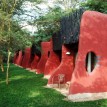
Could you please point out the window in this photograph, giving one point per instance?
(91, 61)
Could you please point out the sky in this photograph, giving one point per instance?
(31, 14)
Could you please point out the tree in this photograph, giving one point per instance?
(49, 23)
(96, 5)
(10, 32)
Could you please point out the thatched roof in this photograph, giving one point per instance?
(35, 50)
(56, 38)
(70, 27)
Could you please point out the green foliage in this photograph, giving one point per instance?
(96, 5)
(48, 24)
(11, 35)
(27, 90)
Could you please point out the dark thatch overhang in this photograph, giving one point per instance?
(70, 27)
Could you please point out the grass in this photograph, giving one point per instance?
(26, 90)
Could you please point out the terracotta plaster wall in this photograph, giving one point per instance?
(35, 62)
(93, 38)
(41, 64)
(26, 58)
(30, 61)
(66, 66)
(52, 62)
(19, 58)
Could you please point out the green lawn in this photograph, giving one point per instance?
(26, 90)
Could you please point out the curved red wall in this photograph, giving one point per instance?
(41, 64)
(26, 58)
(52, 62)
(66, 67)
(93, 37)
(30, 61)
(19, 58)
(35, 62)
(22, 60)
(15, 57)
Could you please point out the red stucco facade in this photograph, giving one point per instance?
(41, 64)
(35, 62)
(26, 58)
(52, 62)
(19, 58)
(93, 38)
(66, 66)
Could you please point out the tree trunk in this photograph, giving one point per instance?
(8, 66)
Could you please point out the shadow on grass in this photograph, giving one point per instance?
(26, 90)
